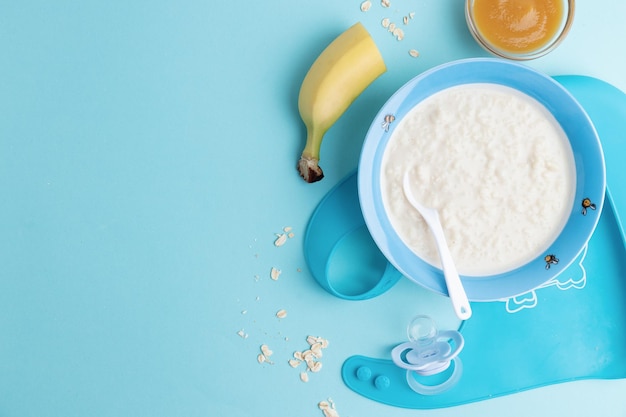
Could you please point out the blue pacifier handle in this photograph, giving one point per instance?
(439, 388)
(339, 251)
(427, 359)
(456, 337)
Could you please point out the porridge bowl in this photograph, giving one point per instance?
(508, 158)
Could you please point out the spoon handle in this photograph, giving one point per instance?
(456, 292)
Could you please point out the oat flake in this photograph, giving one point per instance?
(267, 352)
(315, 367)
(328, 408)
(280, 240)
(398, 33)
(275, 273)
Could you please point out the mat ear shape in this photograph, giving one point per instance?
(564, 332)
(339, 250)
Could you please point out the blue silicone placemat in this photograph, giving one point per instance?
(570, 328)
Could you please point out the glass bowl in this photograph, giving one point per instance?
(519, 29)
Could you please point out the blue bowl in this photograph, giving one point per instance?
(588, 159)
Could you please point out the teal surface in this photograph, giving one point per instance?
(147, 160)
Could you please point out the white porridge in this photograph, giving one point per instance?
(495, 164)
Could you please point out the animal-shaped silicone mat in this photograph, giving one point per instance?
(573, 327)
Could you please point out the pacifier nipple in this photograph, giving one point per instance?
(421, 330)
(429, 353)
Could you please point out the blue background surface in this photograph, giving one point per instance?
(147, 159)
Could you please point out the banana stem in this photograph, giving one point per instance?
(308, 165)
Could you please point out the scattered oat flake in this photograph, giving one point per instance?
(275, 273)
(317, 345)
(365, 6)
(304, 377)
(405, 20)
(244, 311)
(414, 53)
(385, 3)
(267, 352)
(315, 366)
(399, 34)
(391, 27)
(310, 356)
(280, 240)
(312, 340)
(328, 408)
(290, 235)
(309, 364)
(242, 334)
(411, 15)
(316, 349)
(281, 314)
(385, 22)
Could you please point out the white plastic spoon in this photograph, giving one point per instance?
(456, 292)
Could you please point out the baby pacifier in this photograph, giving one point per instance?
(430, 357)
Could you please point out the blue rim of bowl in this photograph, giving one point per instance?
(588, 159)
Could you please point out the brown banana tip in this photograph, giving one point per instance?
(309, 170)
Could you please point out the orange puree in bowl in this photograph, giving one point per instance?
(518, 26)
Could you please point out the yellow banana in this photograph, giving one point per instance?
(342, 71)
